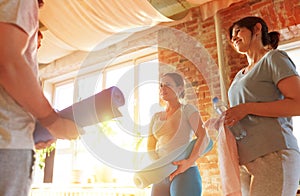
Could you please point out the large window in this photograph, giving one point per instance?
(138, 80)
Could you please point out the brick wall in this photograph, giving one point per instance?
(280, 15)
(202, 74)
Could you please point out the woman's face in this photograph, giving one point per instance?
(241, 39)
(168, 89)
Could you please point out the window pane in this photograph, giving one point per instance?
(139, 85)
(123, 78)
(88, 85)
(148, 93)
(63, 96)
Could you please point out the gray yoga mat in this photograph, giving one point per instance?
(100, 107)
(163, 167)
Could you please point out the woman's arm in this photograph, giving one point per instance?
(202, 140)
(289, 106)
(151, 142)
(201, 143)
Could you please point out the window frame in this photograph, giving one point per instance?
(51, 84)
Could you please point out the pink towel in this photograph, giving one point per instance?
(228, 158)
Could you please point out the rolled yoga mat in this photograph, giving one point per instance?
(98, 108)
(163, 167)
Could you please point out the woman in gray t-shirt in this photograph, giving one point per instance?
(263, 96)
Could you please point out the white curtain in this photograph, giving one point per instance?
(85, 25)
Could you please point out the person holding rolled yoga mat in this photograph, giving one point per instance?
(21, 97)
(171, 129)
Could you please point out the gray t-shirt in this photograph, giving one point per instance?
(17, 125)
(264, 134)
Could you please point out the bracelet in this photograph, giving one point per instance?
(48, 120)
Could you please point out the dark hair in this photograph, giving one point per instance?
(178, 79)
(268, 39)
(41, 3)
(40, 34)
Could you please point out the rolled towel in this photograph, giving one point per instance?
(98, 108)
(163, 167)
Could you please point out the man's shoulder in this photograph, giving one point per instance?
(23, 14)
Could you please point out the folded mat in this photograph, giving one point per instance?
(98, 108)
(163, 167)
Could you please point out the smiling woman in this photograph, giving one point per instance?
(171, 129)
(263, 97)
